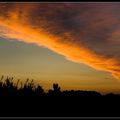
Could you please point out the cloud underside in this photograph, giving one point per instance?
(82, 33)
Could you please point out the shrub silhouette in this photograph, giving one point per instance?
(56, 88)
(35, 101)
(8, 87)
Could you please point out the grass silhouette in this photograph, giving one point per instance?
(28, 99)
(8, 87)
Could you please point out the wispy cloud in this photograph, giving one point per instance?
(83, 33)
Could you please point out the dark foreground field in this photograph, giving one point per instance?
(32, 101)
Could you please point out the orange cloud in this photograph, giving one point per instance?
(21, 29)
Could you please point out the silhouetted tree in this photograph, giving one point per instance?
(56, 88)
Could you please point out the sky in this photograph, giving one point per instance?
(73, 44)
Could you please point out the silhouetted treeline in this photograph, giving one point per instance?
(8, 87)
(28, 99)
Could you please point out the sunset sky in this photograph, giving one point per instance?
(74, 44)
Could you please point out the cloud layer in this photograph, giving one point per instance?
(84, 33)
